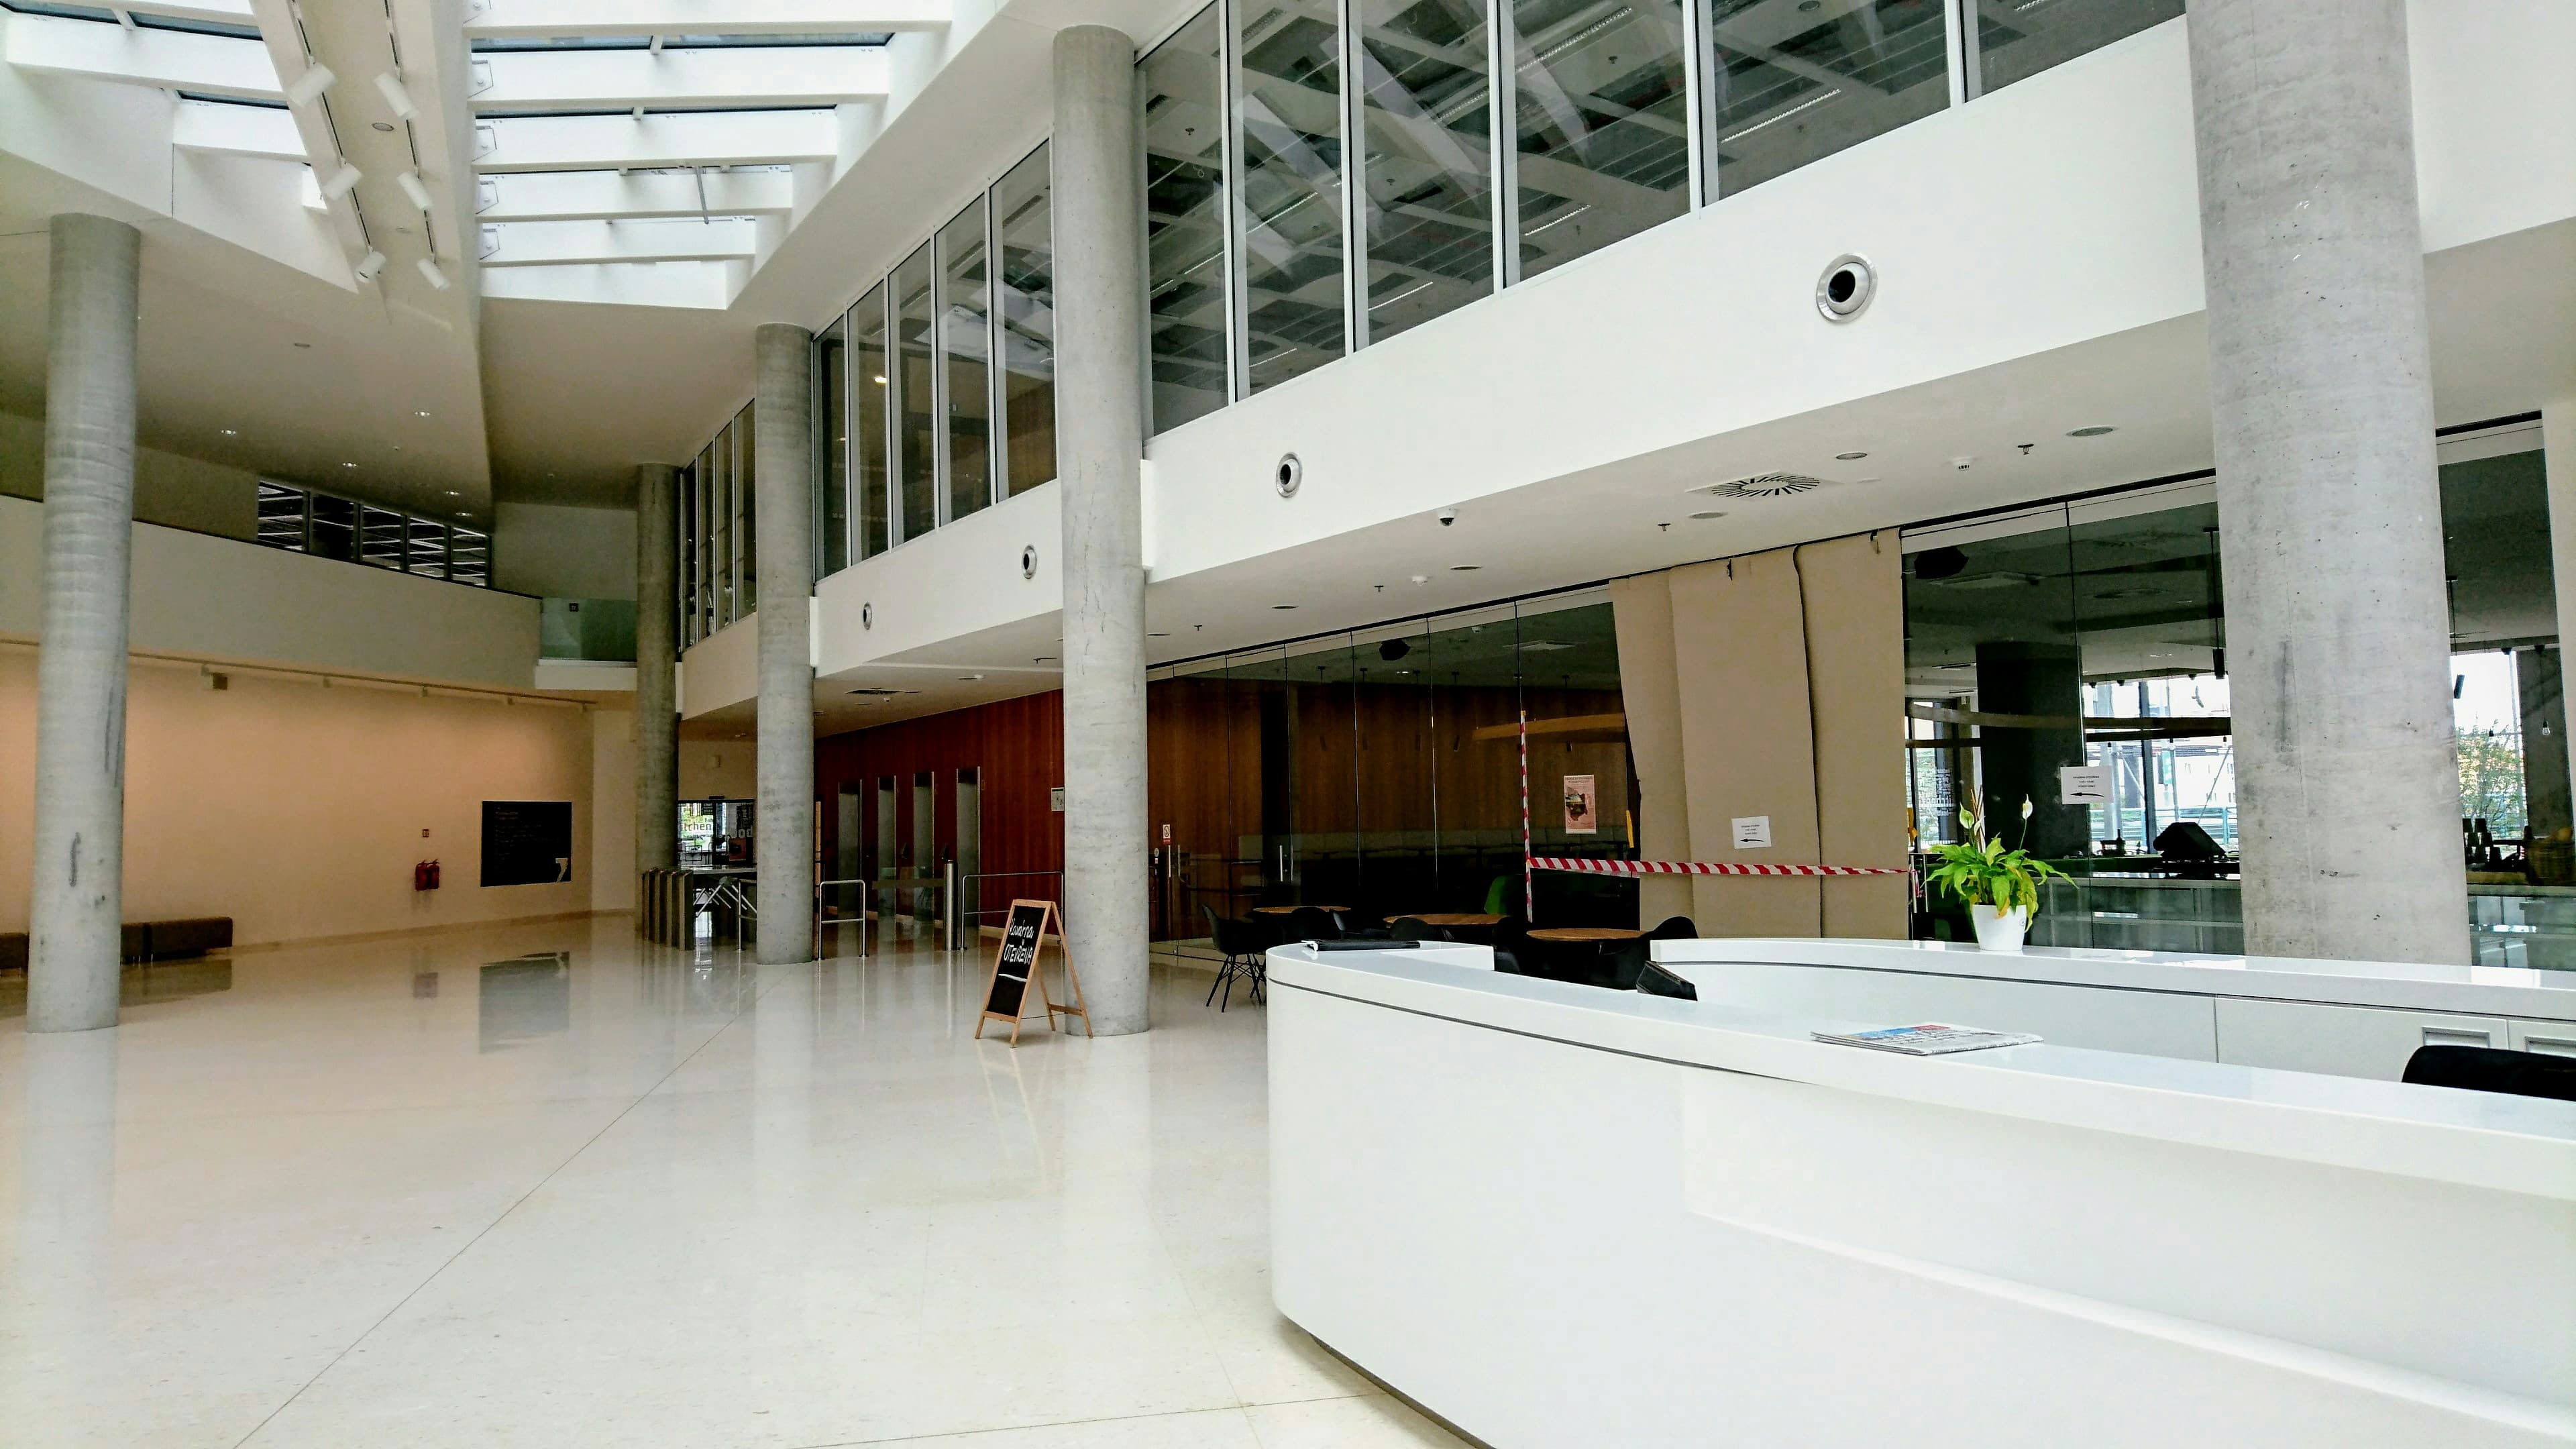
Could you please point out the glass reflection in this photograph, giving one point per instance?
(523, 998)
(1289, 109)
(720, 560)
(916, 423)
(2017, 39)
(965, 348)
(1426, 203)
(1787, 86)
(1182, 89)
(870, 390)
(1603, 123)
(746, 502)
(1025, 297)
(832, 478)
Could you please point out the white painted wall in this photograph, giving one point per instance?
(574, 553)
(222, 599)
(958, 581)
(170, 489)
(723, 668)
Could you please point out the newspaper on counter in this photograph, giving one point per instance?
(1929, 1039)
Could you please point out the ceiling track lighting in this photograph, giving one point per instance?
(430, 272)
(309, 86)
(369, 265)
(341, 182)
(409, 181)
(395, 96)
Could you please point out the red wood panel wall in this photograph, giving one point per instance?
(1017, 744)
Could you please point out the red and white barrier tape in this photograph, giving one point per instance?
(1582, 866)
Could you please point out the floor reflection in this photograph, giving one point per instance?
(526, 997)
(143, 984)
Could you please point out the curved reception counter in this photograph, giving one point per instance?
(1557, 1215)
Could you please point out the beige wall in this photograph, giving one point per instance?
(612, 809)
(298, 810)
(1771, 685)
(719, 767)
(168, 489)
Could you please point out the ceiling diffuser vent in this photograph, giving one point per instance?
(1765, 485)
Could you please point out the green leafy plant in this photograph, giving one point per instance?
(1982, 872)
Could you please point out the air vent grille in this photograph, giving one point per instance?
(1765, 485)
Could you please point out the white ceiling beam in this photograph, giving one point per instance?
(167, 59)
(706, 17)
(689, 138)
(556, 243)
(709, 285)
(819, 75)
(240, 130)
(572, 195)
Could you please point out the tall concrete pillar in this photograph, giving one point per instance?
(1100, 447)
(783, 483)
(657, 715)
(2329, 509)
(77, 900)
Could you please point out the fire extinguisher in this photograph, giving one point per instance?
(433, 875)
(424, 876)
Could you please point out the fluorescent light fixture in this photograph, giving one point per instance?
(309, 86)
(430, 273)
(409, 181)
(341, 182)
(369, 265)
(395, 96)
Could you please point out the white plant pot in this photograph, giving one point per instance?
(1999, 930)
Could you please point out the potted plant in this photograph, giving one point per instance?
(2000, 886)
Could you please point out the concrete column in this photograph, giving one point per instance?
(657, 715)
(783, 824)
(1100, 447)
(2329, 509)
(77, 900)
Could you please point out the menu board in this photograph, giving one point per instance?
(527, 842)
(1017, 961)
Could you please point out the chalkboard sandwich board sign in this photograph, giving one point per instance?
(1017, 966)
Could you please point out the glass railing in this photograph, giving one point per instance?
(594, 629)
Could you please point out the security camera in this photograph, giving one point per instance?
(1448, 516)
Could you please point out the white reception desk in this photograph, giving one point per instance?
(1559, 1215)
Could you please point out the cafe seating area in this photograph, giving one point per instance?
(1610, 957)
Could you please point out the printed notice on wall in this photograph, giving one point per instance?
(1752, 832)
(1582, 806)
(2084, 785)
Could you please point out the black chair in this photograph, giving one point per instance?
(1414, 928)
(2488, 1069)
(1510, 940)
(1242, 942)
(1675, 928)
(1313, 923)
(1656, 981)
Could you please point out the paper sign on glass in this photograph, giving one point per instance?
(2084, 784)
(1582, 806)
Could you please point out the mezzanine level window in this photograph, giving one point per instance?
(300, 520)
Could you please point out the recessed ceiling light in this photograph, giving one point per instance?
(305, 345)
(452, 493)
(1165, 634)
(1283, 606)
(968, 678)
(382, 125)
(1849, 457)
(880, 379)
(1704, 516)
(2094, 431)
(348, 465)
(420, 415)
(232, 432)
(1464, 568)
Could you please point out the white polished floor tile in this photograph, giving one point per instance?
(1373, 1422)
(547, 1185)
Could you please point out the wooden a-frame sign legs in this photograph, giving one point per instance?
(1018, 964)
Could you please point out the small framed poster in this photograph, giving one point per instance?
(1582, 806)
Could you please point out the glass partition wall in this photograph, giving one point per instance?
(2093, 633)
(1378, 770)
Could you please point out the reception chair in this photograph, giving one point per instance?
(2490, 1069)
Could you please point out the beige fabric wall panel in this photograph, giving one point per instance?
(1855, 606)
(297, 810)
(1740, 670)
(1641, 611)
